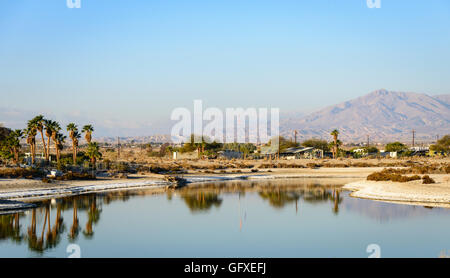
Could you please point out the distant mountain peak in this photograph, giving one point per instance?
(382, 114)
(382, 92)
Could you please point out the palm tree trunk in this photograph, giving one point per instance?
(335, 146)
(57, 152)
(33, 153)
(16, 155)
(48, 149)
(43, 143)
(74, 153)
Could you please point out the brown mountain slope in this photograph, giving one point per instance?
(383, 115)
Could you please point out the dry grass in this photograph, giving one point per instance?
(75, 176)
(427, 180)
(391, 175)
(398, 175)
(28, 173)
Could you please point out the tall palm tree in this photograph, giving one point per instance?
(59, 143)
(335, 134)
(39, 123)
(93, 152)
(76, 140)
(72, 129)
(31, 141)
(55, 129)
(88, 129)
(49, 124)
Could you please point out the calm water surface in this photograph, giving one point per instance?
(296, 218)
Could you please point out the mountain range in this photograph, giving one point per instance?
(382, 115)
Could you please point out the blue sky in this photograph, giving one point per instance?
(132, 62)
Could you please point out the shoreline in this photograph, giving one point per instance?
(22, 191)
(409, 193)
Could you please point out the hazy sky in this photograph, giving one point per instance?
(129, 63)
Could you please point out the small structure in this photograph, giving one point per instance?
(302, 152)
(420, 151)
(269, 151)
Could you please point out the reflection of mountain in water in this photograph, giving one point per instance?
(384, 212)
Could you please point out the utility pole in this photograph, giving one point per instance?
(413, 137)
(368, 140)
(295, 136)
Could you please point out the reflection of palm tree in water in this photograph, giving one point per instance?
(201, 201)
(10, 227)
(53, 235)
(74, 229)
(93, 217)
(278, 198)
(35, 243)
(32, 237)
(335, 197)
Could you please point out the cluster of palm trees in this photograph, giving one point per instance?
(53, 133)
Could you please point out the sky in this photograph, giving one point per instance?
(125, 65)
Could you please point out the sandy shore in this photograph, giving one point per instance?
(413, 193)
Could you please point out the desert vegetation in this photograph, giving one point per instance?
(401, 175)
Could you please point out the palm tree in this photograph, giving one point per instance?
(88, 129)
(93, 152)
(13, 143)
(335, 134)
(49, 124)
(335, 147)
(39, 122)
(55, 128)
(72, 129)
(76, 140)
(31, 141)
(59, 144)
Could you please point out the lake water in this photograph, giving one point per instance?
(292, 218)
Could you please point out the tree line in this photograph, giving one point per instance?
(49, 131)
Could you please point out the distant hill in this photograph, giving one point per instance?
(383, 115)
(444, 98)
(135, 139)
